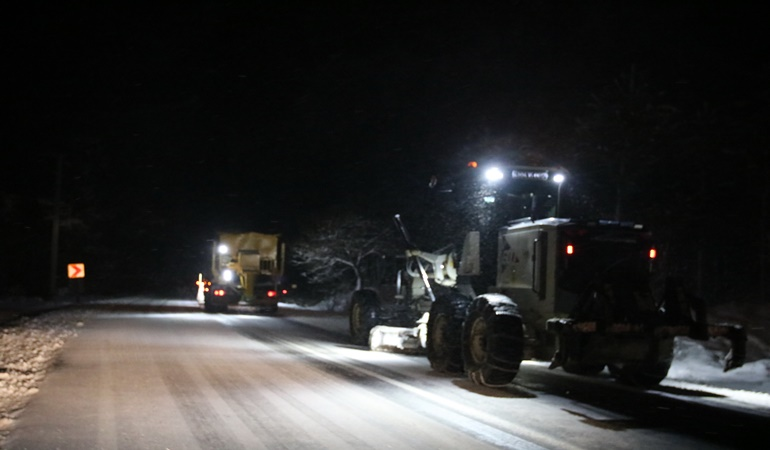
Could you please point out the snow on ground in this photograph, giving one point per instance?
(29, 346)
(699, 365)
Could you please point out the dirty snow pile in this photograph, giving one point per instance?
(701, 363)
(28, 347)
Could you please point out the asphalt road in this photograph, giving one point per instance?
(177, 378)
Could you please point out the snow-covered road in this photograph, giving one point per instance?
(182, 379)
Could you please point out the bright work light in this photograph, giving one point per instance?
(493, 174)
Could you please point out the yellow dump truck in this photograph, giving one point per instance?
(246, 271)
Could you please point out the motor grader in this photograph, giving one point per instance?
(573, 292)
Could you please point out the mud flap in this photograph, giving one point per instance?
(557, 327)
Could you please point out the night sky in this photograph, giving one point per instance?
(181, 118)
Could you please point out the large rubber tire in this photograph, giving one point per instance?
(364, 315)
(582, 368)
(270, 310)
(572, 348)
(445, 329)
(493, 340)
(594, 305)
(646, 374)
(211, 307)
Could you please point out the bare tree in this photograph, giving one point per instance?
(624, 135)
(337, 248)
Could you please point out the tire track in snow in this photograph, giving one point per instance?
(402, 389)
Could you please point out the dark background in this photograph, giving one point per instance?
(176, 120)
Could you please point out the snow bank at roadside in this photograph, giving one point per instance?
(27, 350)
(697, 363)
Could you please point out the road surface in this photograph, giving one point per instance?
(177, 378)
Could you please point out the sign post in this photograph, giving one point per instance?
(76, 272)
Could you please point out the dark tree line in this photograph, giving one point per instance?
(696, 171)
(168, 142)
(693, 169)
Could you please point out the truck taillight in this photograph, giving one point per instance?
(284, 291)
(653, 253)
(271, 293)
(570, 250)
(219, 292)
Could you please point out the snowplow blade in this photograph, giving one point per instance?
(395, 339)
(736, 334)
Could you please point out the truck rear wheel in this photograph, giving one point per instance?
(364, 315)
(572, 346)
(211, 307)
(646, 374)
(642, 375)
(445, 327)
(493, 340)
(582, 368)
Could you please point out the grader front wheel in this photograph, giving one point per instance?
(445, 327)
(364, 315)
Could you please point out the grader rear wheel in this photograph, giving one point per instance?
(582, 369)
(641, 375)
(493, 341)
(650, 372)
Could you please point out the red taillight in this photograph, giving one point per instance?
(271, 293)
(285, 291)
(219, 292)
(653, 253)
(570, 249)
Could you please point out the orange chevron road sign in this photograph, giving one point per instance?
(77, 270)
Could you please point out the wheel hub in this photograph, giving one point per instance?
(478, 341)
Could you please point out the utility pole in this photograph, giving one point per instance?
(764, 240)
(55, 227)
